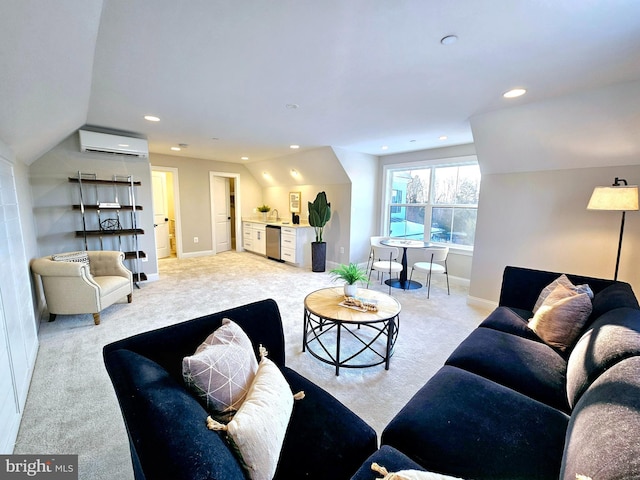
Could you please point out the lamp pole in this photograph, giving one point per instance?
(616, 183)
(615, 277)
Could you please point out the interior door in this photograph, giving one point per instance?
(160, 214)
(222, 213)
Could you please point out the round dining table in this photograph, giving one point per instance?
(405, 244)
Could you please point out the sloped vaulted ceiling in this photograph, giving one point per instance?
(364, 73)
(46, 62)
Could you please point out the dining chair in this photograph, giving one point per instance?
(434, 260)
(374, 241)
(383, 261)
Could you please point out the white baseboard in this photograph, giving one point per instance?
(203, 253)
(481, 302)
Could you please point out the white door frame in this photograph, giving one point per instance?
(176, 204)
(238, 209)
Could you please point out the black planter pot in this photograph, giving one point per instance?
(318, 256)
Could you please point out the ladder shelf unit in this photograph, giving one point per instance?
(108, 221)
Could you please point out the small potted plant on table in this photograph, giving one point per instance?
(351, 274)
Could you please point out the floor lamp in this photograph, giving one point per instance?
(619, 197)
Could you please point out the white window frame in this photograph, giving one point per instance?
(441, 162)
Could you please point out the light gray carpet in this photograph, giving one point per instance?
(72, 408)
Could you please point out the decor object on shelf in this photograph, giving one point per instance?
(618, 197)
(110, 224)
(319, 215)
(73, 286)
(351, 274)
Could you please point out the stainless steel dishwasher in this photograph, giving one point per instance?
(273, 242)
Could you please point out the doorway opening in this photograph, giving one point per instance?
(226, 220)
(166, 212)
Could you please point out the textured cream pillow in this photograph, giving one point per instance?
(258, 428)
(221, 370)
(77, 257)
(561, 317)
(410, 474)
(561, 280)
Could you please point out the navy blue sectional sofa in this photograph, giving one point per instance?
(507, 406)
(166, 424)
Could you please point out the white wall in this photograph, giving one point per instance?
(539, 220)
(540, 163)
(363, 171)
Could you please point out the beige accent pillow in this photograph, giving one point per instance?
(561, 280)
(561, 317)
(221, 370)
(258, 428)
(410, 474)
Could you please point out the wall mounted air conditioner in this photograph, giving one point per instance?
(113, 144)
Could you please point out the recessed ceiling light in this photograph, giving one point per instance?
(292, 106)
(151, 118)
(294, 147)
(244, 158)
(442, 137)
(123, 144)
(294, 172)
(175, 149)
(516, 92)
(449, 40)
(384, 147)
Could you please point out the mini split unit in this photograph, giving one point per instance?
(113, 144)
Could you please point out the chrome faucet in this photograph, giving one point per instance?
(276, 212)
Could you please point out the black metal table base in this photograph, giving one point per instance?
(319, 333)
(404, 284)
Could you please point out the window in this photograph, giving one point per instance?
(444, 198)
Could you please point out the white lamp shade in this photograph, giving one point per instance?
(622, 198)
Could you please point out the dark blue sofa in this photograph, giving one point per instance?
(166, 424)
(507, 406)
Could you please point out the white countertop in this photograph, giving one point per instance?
(280, 222)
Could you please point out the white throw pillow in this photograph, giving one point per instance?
(258, 428)
(221, 370)
(410, 474)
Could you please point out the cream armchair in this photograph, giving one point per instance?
(72, 287)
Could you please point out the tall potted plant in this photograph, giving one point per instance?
(319, 215)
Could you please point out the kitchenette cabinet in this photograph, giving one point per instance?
(295, 241)
(254, 238)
